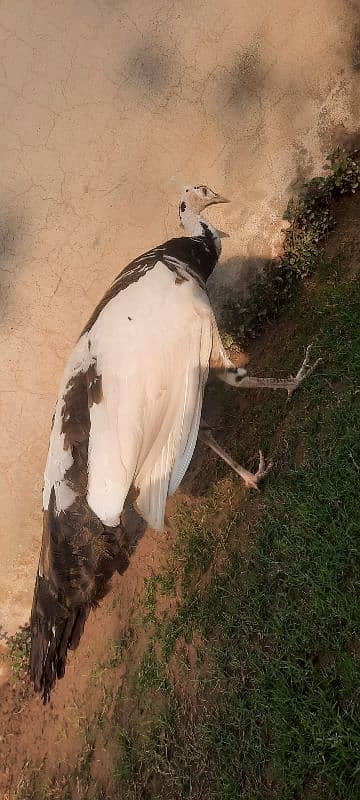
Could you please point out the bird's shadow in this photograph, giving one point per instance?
(232, 279)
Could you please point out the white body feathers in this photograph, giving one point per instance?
(152, 344)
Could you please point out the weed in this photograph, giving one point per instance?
(310, 217)
(19, 650)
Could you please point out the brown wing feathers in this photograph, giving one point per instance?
(79, 553)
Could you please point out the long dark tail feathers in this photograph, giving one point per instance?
(54, 630)
(78, 557)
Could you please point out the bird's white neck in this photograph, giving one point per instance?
(196, 225)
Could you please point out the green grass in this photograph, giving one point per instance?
(275, 712)
(18, 652)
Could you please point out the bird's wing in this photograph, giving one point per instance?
(152, 345)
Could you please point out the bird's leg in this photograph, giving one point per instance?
(250, 479)
(239, 378)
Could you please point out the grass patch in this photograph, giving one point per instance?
(18, 648)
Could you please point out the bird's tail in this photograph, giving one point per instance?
(55, 630)
(78, 557)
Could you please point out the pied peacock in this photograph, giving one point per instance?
(125, 427)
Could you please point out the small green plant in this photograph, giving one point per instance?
(151, 672)
(118, 648)
(19, 651)
(310, 218)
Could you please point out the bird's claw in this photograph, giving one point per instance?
(305, 370)
(252, 479)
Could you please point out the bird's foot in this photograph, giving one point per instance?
(305, 370)
(252, 479)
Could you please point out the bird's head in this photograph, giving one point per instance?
(199, 197)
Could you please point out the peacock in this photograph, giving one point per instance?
(125, 426)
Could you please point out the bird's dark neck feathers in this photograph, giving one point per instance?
(199, 253)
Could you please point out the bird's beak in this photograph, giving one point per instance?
(220, 199)
(217, 198)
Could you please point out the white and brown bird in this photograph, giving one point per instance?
(125, 426)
